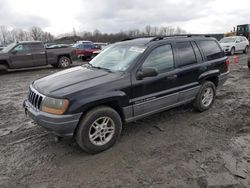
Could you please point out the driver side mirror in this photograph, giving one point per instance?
(146, 72)
(14, 51)
(237, 41)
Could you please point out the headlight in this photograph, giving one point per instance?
(54, 106)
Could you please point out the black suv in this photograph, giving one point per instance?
(129, 80)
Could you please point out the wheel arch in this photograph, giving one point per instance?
(5, 62)
(212, 76)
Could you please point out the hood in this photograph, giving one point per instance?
(4, 56)
(226, 44)
(72, 80)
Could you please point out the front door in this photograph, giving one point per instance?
(21, 57)
(153, 94)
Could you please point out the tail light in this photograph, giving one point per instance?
(228, 65)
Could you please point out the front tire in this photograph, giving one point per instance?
(3, 69)
(206, 96)
(64, 62)
(232, 51)
(99, 129)
(246, 50)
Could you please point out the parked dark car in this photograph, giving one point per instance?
(128, 81)
(33, 54)
(85, 49)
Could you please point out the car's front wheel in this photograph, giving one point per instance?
(3, 68)
(232, 51)
(246, 50)
(205, 97)
(99, 129)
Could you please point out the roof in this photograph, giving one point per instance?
(148, 40)
(24, 42)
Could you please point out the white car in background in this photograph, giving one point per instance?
(234, 44)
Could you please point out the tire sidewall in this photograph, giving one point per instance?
(85, 124)
(199, 105)
(232, 52)
(61, 63)
(246, 50)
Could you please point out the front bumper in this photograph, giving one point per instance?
(60, 125)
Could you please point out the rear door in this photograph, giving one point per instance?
(189, 66)
(152, 94)
(21, 57)
(38, 54)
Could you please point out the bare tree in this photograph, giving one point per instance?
(4, 34)
(36, 33)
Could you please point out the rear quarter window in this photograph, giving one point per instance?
(211, 49)
(186, 54)
(37, 46)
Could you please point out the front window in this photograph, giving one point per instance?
(227, 40)
(117, 57)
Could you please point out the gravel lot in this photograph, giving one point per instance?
(176, 148)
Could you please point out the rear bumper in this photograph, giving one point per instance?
(223, 78)
(60, 125)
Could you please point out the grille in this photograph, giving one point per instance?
(35, 98)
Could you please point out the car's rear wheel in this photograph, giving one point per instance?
(206, 96)
(246, 50)
(99, 129)
(232, 51)
(248, 63)
(64, 62)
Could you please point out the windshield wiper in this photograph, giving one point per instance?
(96, 67)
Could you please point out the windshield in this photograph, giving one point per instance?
(8, 48)
(227, 40)
(117, 57)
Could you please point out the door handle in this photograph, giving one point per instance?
(42, 52)
(172, 77)
(28, 54)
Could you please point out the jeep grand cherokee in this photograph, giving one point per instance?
(127, 81)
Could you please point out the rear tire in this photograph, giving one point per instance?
(64, 62)
(246, 50)
(98, 130)
(232, 51)
(248, 64)
(205, 97)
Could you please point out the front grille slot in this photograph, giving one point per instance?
(35, 99)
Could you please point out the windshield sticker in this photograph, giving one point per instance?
(136, 49)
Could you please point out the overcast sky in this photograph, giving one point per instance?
(61, 16)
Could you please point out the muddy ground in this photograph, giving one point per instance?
(176, 148)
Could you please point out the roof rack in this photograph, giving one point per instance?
(132, 38)
(179, 35)
(156, 38)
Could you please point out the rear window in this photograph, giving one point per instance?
(186, 54)
(211, 49)
(37, 46)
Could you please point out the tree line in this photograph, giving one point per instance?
(36, 33)
(8, 36)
